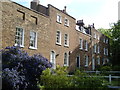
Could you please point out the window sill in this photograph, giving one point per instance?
(65, 65)
(34, 48)
(81, 48)
(19, 45)
(59, 44)
(86, 65)
(59, 22)
(66, 45)
(66, 25)
(86, 50)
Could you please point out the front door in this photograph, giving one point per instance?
(78, 61)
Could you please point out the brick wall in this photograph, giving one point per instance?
(46, 26)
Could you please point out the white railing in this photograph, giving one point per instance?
(109, 76)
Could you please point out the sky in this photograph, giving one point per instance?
(100, 12)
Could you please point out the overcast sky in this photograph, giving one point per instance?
(100, 12)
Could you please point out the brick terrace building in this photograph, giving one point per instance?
(54, 34)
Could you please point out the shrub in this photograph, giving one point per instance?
(62, 80)
(21, 71)
(106, 68)
(56, 80)
(116, 68)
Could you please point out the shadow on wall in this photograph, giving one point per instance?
(96, 55)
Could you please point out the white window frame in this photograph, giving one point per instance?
(104, 51)
(94, 35)
(16, 44)
(66, 22)
(98, 48)
(86, 60)
(34, 47)
(95, 48)
(98, 60)
(93, 63)
(59, 18)
(59, 43)
(104, 61)
(86, 45)
(106, 40)
(67, 59)
(66, 40)
(98, 37)
(81, 43)
(53, 58)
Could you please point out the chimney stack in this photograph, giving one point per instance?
(34, 4)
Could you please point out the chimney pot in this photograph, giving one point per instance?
(34, 4)
(64, 10)
(37, 1)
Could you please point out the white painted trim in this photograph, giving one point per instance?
(93, 63)
(22, 37)
(54, 67)
(30, 47)
(67, 58)
(81, 43)
(60, 18)
(86, 45)
(86, 60)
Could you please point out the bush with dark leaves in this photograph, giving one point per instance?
(21, 71)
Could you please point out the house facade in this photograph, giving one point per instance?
(54, 34)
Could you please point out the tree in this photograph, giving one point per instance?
(115, 43)
(114, 35)
(106, 32)
(21, 71)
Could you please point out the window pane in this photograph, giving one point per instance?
(19, 36)
(81, 44)
(33, 39)
(58, 37)
(65, 59)
(66, 39)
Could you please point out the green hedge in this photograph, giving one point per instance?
(60, 79)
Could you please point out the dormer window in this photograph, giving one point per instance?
(59, 18)
(81, 29)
